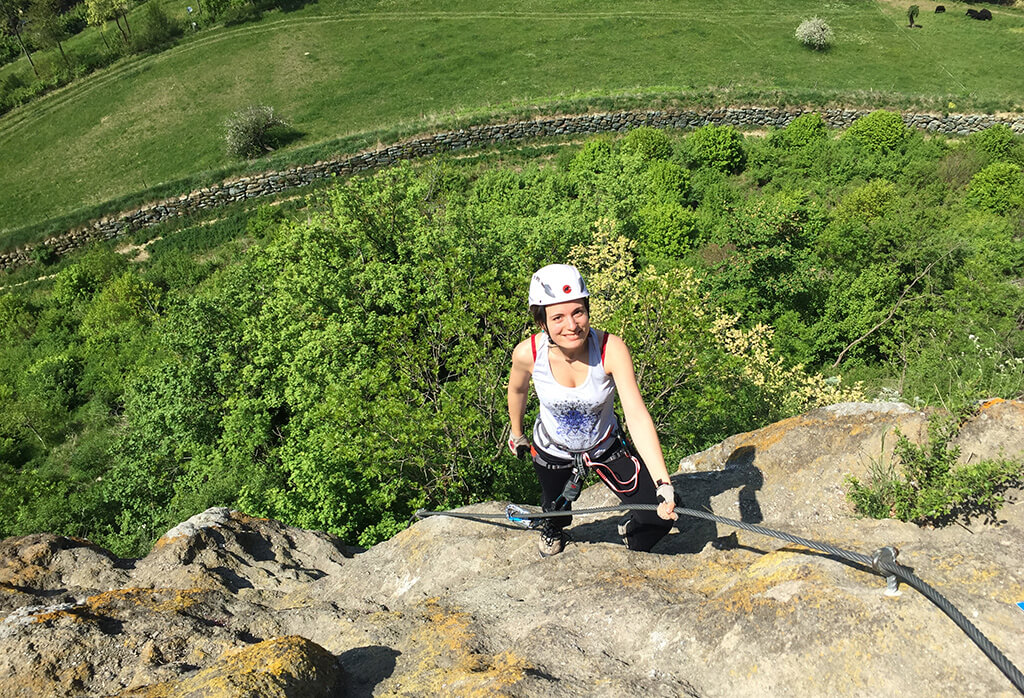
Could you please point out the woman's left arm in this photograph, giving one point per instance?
(619, 364)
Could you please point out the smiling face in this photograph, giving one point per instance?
(568, 324)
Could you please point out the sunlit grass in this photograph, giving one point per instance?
(343, 74)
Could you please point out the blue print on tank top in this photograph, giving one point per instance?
(575, 420)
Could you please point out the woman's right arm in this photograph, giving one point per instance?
(519, 385)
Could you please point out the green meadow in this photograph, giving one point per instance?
(345, 74)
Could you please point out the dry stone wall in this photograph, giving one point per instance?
(275, 182)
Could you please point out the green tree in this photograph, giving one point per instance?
(998, 188)
(718, 147)
(46, 23)
(100, 11)
(12, 13)
(880, 131)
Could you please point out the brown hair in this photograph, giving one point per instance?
(540, 313)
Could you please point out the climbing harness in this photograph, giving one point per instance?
(574, 486)
(882, 561)
(609, 478)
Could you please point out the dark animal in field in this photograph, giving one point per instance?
(984, 14)
(939, 9)
(972, 13)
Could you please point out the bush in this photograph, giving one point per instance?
(158, 30)
(253, 131)
(998, 142)
(666, 181)
(717, 147)
(815, 33)
(647, 143)
(666, 230)
(801, 131)
(44, 255)
(595, 156)
(880, 131)
(932, 489)
(9, 49)
(998, 188)
(74, 20)
(958, 166)
(241, 14)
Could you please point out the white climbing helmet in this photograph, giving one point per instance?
(557, 283)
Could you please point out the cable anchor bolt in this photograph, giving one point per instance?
(887, 556)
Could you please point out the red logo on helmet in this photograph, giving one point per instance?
(567, 289)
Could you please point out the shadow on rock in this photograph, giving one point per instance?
(695, 491)
(366, 667)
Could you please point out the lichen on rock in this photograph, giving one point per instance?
(227, 604)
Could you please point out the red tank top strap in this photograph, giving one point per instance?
(533, 345)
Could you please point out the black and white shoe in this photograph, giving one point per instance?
(552, 541)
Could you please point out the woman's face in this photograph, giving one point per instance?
(568, 324)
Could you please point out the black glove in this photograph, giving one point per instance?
(519, 446)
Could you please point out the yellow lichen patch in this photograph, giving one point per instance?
(279, 667)
(978, 577)
(854, 659)
(990, 403)
(6, 588)
(706, 579)
(772, 570)
(671, 581)
(715, 574)
(246, 519)
(449, 664)
(411, 541)
(160, 600)
(774, 433)
(164, 541)
(73, 615)
(26, 576)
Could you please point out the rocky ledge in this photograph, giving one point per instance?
(230, 605)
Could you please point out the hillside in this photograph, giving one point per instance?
(347, 74)
(226, 604)
(338, 365)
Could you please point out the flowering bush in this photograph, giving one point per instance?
(815, 33)
(253, 131)
(701, 375)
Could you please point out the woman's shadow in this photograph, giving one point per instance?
(695, 491)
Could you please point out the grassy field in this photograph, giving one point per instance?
(335, 70)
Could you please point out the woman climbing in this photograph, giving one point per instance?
(576, 370)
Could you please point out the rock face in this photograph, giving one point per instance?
(229, 605)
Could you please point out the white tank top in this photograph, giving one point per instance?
(573, 420)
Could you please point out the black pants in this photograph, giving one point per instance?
(642, 528)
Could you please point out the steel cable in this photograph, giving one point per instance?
(879, 563)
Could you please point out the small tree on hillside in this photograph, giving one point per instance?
(912, 12)
(99, 11)
(12, 22)
(47, 24)
(815, 33)
(253, 131)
